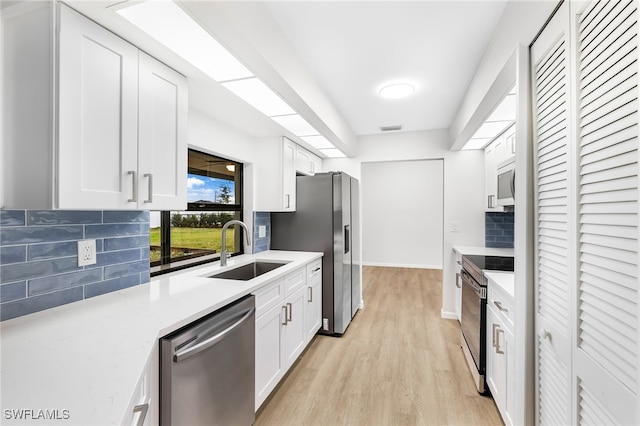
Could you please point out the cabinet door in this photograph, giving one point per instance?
(458, 292)
(98, 109)
(162, 132)
(508, 343)
(288, 175)
(496, 359)
(293, 333)
(316, 164)
(268, 354)
(303, 161)
(313, 308)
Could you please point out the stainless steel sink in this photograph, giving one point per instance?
(248, 271)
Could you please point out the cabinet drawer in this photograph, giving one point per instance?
(294, 281)
(314, 271)
(269, 296)
(502, 304)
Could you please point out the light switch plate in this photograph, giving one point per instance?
(455, 226)
(86, 252)
(262, 231)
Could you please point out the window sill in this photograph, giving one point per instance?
(180, 265)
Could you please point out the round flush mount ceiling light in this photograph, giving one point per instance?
(396, 90)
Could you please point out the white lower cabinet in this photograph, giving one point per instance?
(268, 353)
(458, 288)
(284, 326)
(143, 407)
(500, 374)
(293, 330)
(313, 308)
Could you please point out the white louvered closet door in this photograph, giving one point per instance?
(606, 353)
(551, 130)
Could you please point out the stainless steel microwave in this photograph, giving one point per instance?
(507, 182)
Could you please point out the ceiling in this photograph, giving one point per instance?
(328, 59)
(354, 47)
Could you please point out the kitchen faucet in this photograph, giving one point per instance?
(223, 252)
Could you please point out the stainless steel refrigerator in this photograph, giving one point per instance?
(327, 220)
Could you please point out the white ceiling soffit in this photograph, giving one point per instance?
(355, 47)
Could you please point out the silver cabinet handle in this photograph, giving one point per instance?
(309, 294)
(150, 177)
(289, 310)
(458, 280)
(498, 331)
(499, 306)
(143, 408)
(285, 316)
(134, 187)
(181, 356)
(494, 327)
(287, 202)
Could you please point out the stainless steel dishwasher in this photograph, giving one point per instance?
(207, 369)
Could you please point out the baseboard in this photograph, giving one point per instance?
(448, 315)
(401, 265)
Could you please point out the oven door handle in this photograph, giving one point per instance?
(468, 280)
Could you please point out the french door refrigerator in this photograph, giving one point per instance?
(326, 220)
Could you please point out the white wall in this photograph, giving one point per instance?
(402, 208)
(463, 188)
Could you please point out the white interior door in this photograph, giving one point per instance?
(402, 213)
(606, 352)
(587, 214)
(552, 188)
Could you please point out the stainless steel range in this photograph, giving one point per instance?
(474, 304)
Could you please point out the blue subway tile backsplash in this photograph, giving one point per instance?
(264, 243)
(499, 229)
(39, 262)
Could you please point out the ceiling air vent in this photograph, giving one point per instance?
(390, 128)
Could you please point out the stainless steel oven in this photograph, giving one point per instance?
(473, 323)
(473, 313)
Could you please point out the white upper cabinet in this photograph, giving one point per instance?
(500, 150)
(98, 115)
(108, 125)
(306, 162)
(275, 180)
(162, 136)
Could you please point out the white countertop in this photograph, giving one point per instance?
(486, 251)
(504, 280)
(87, 356)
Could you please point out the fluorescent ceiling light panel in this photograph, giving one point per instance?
(332, 153)
(296, 125)
(170, 25)
(491, 129)
(506, 111)
(260, 96)
(318, 142)
(480, 143)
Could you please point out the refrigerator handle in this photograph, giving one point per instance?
(347, 240)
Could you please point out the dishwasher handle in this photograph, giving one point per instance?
(181, 356)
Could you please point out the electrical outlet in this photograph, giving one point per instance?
(325, 324)
(455, 226)
(86, 252)
(262, 231)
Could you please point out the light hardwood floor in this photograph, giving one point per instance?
(399, 363)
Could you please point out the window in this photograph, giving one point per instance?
(179, 239)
